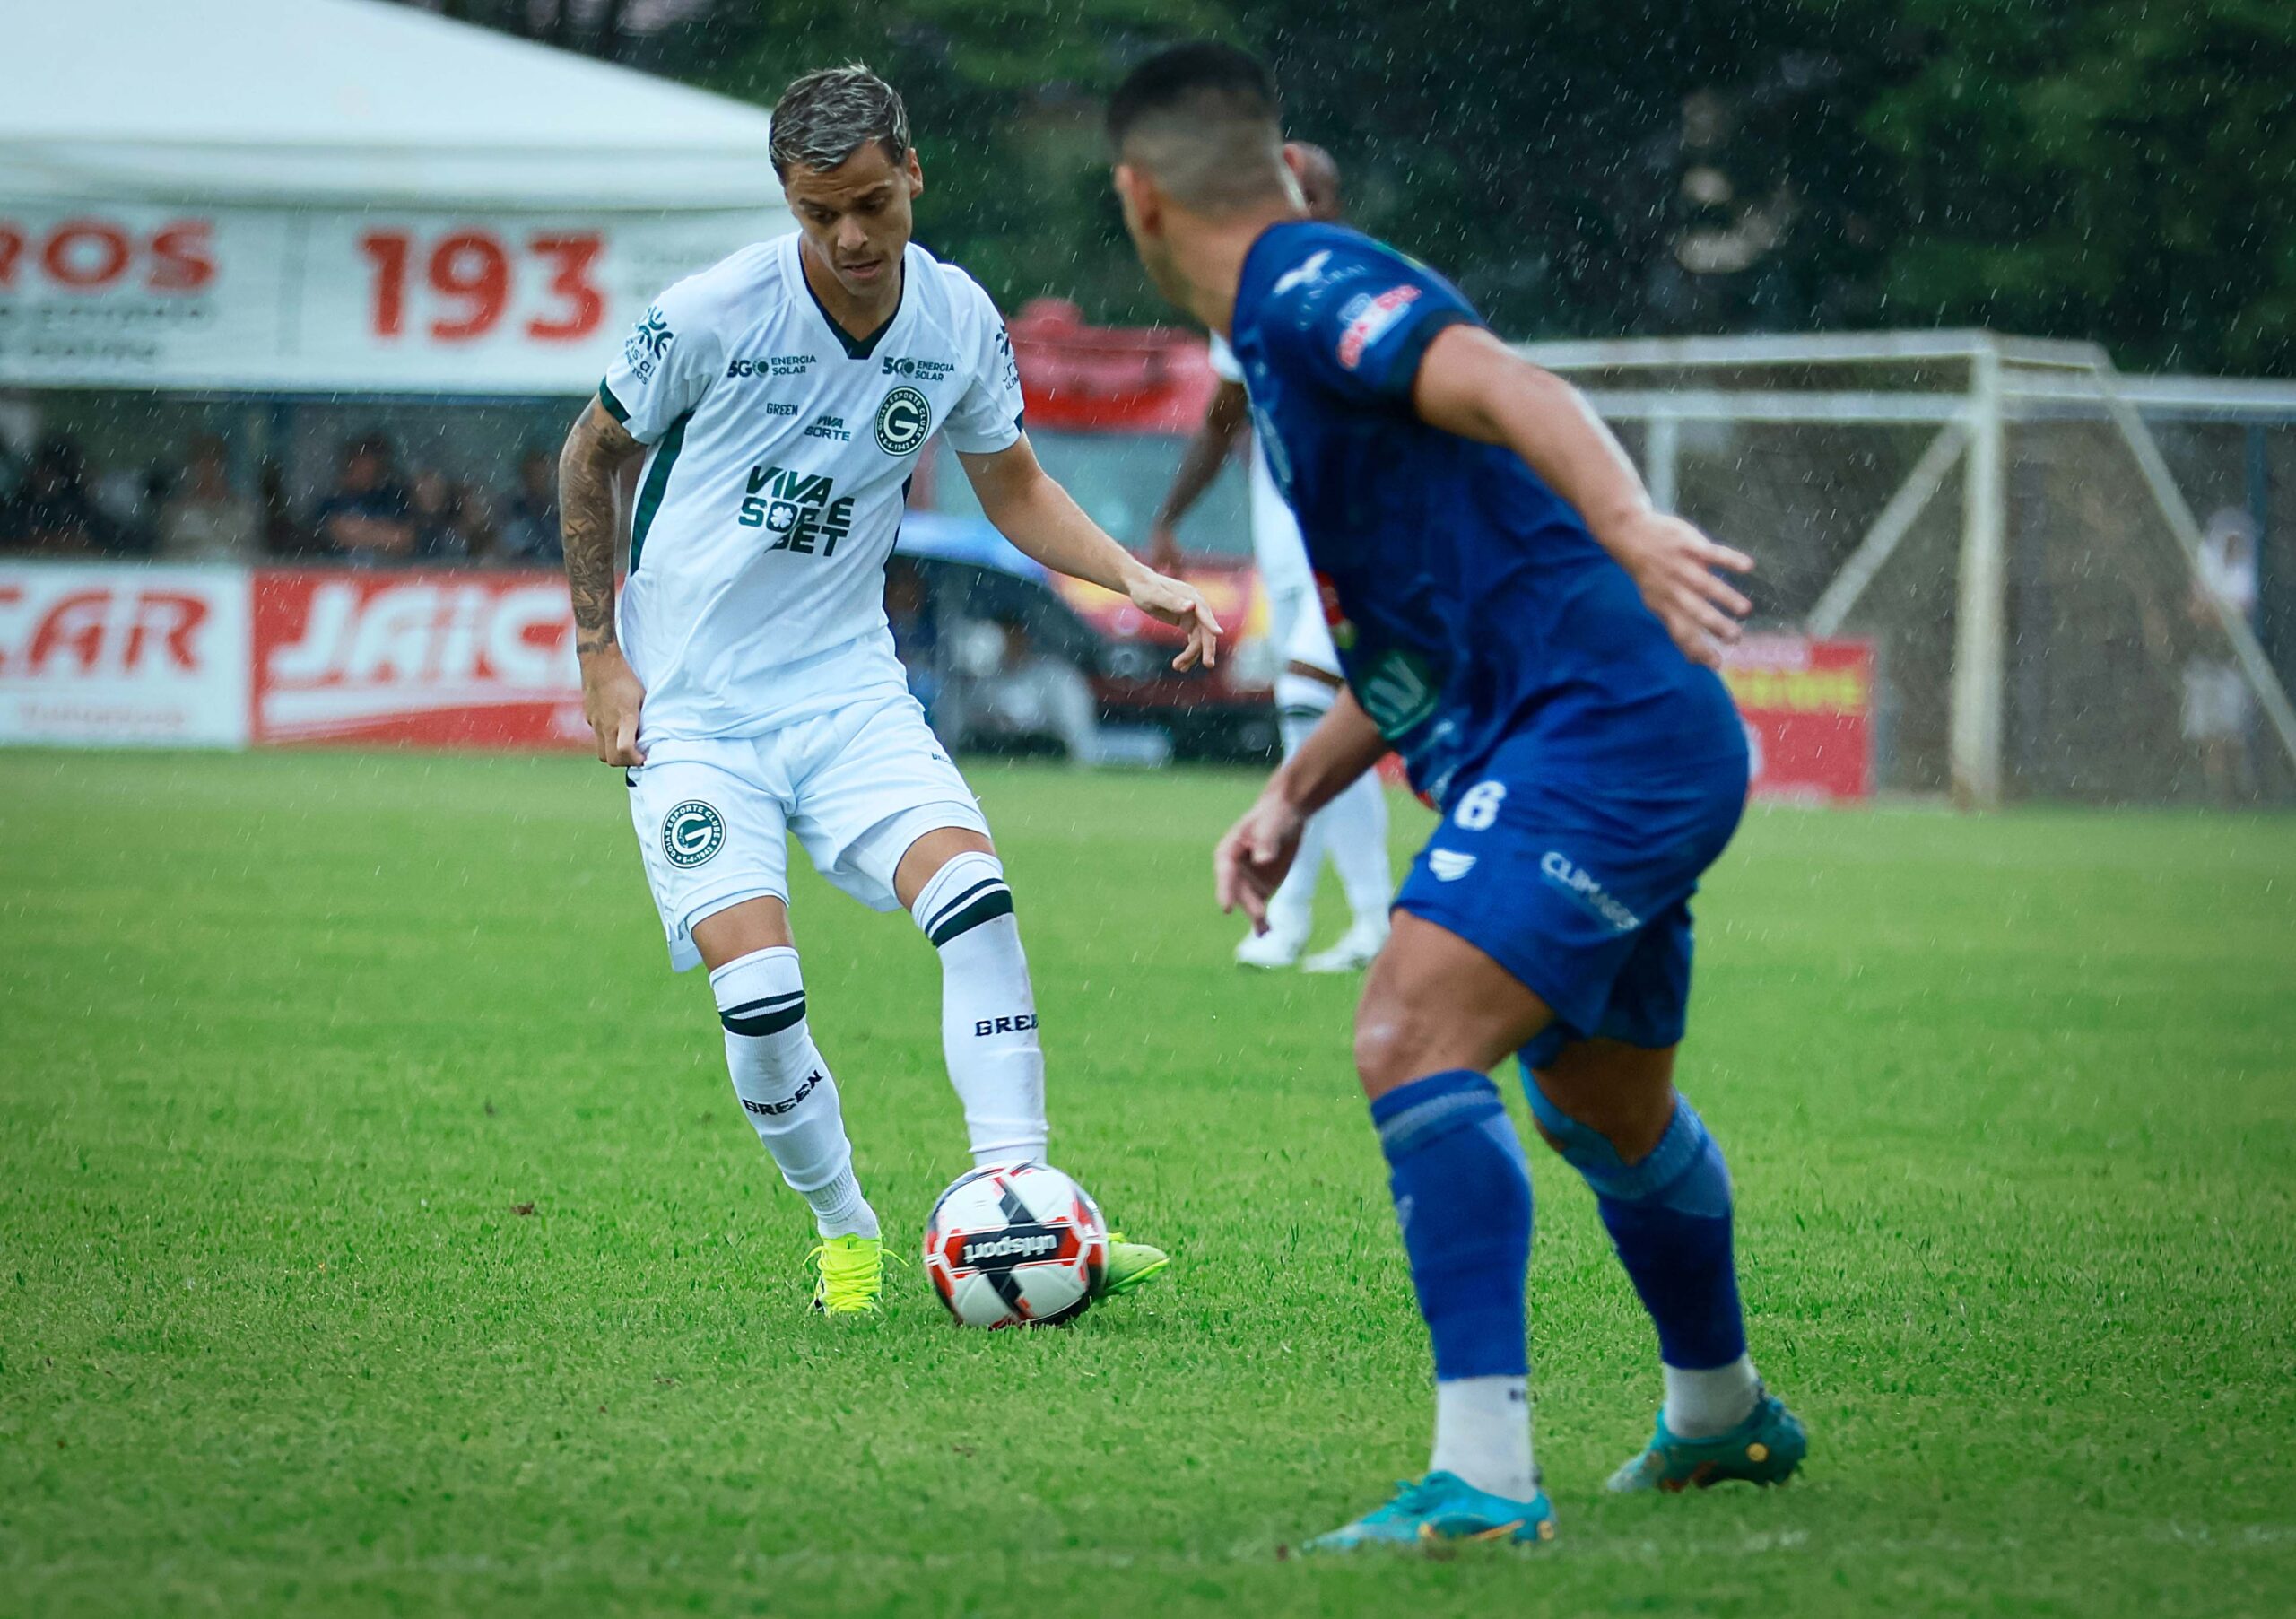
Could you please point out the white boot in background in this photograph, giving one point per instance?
(1277, 948)
(1356, 948)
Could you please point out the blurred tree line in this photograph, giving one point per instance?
(2111, 168)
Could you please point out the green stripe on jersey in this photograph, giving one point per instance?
(657, 480)
(613, 407)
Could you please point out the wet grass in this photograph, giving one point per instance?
(377, 1233)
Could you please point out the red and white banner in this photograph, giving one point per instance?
(459, 659)
(1808, 708)
(113, 656)
(141, 296)
(221, 658)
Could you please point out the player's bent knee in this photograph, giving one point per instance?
(928, 860)
(1394, 1048)
(965, 892)
(760, 922)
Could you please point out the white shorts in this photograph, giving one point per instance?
(858, 787)
(1296, 628)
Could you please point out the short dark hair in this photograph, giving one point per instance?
(826, 117)
(1184, 76)
(1203, 118)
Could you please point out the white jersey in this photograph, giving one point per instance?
(779, 455)
(1276, 545)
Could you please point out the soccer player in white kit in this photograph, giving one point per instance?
(1351, 831)
(747, 681)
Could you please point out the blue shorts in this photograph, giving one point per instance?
(1581, 888)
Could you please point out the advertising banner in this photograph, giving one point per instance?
(1808, 708)
(131, 295)
(110, 656)
(434, 659)
(218, 657)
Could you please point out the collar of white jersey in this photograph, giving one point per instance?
(856, 348)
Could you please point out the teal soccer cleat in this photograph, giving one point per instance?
(1444, 1507)
(1764, 1449)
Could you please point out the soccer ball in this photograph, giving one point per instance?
(1018, 1244)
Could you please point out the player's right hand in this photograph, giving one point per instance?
(1250, 862)
(611, 699)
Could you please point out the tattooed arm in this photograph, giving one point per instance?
(596, 450)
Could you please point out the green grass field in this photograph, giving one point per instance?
(378, 1233)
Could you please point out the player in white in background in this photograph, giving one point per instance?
(2217, 700)
(1351, 831)
(748, 683)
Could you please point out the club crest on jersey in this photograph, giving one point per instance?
(903, 422)
(691, 832)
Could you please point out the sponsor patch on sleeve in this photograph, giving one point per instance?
(1368, 317)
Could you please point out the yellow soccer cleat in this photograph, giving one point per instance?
(849, 1276)
(1131, 1265)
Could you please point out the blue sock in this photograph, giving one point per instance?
(1463, 1197)
(1669, 1217)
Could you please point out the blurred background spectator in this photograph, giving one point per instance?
(205, 519)
(434, 509)
(369, 518)
(53, 511)
(530, 517)
(284, 538)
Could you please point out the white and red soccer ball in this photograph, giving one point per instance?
(1018, 1244)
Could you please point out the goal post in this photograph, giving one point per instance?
(2057, 630)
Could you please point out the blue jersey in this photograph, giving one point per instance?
(1469, 603)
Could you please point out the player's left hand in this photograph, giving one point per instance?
(1673, 566)
(1179, 604)
(1250, 862)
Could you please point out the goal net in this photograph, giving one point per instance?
(2073, 581)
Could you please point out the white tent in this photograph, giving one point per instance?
(315, 195)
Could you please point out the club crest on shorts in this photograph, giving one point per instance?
(691, 832)
(903, 421)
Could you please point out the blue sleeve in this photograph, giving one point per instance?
(1357, 321)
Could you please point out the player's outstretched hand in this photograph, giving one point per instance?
(611, 697)
(1673, 564)
(1178, 602)
(1251, 860)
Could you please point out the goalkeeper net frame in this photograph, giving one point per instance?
(2056, 631)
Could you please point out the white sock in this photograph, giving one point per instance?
(1355, 837)
(988, 1010)
(1482, 1434)
(785, 1088)
(1700, 1404)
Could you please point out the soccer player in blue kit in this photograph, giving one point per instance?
(1522, 626)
